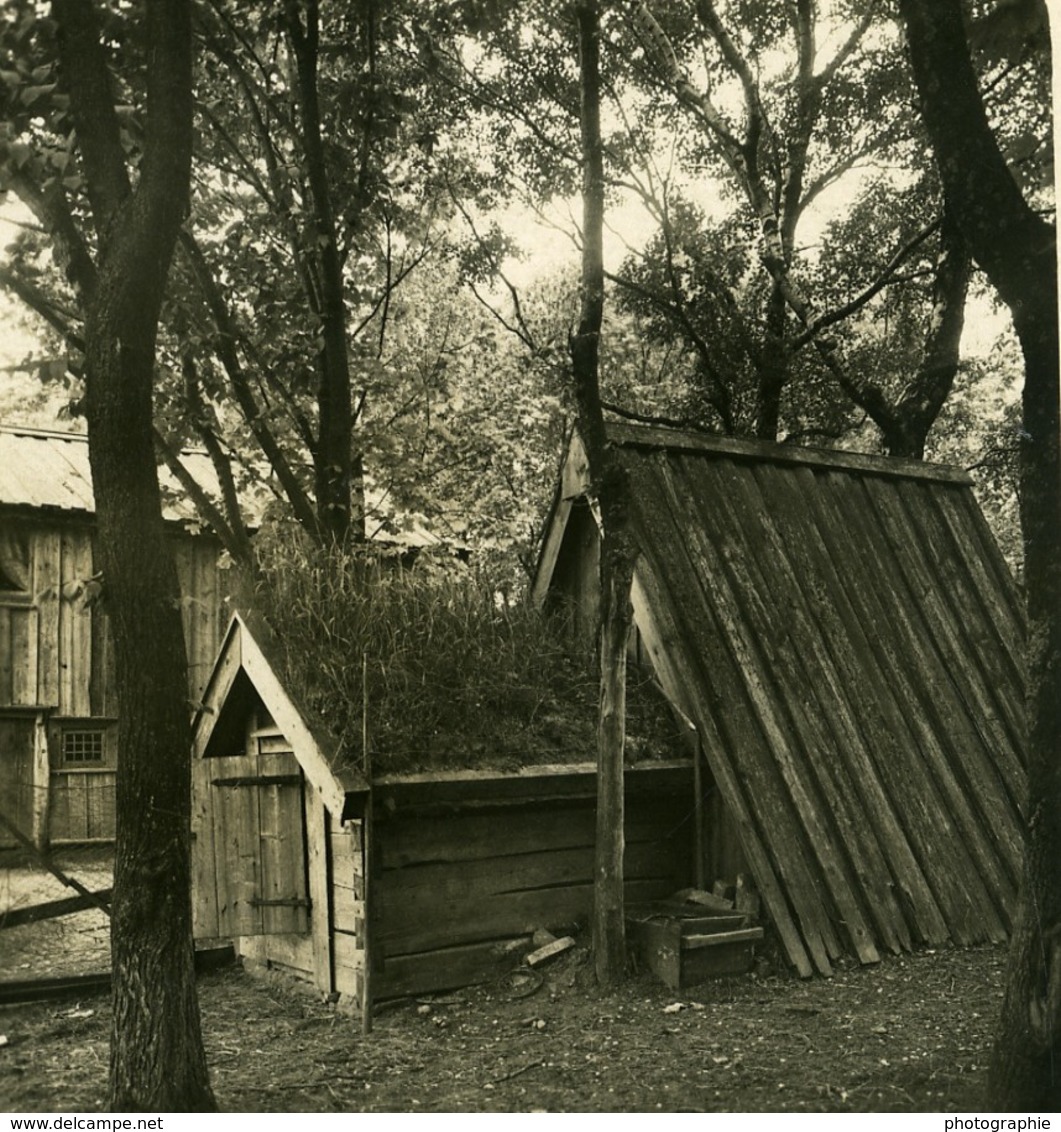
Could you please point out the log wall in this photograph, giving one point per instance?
(464, 866)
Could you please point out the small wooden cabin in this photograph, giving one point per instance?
(458, 864)
(58, 710)
(847, 639)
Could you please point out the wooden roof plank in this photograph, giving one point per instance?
(724, 503)
(986, 563)
(550, 552)
(223, 676)
(869, 720)
(919, 679)
(893, 737)
(963, 768)
(964, 625)
(676, 440)
(998, 592)
(804, 604)
(994, 683)
(740, 724)
(661, 636)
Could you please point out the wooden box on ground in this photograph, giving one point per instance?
(686, 950)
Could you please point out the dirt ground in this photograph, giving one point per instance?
(909, 1035)
(70, 945)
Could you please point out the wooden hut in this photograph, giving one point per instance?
(58, 710)
(847, 640)
(452, 869)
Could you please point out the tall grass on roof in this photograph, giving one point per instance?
(454, 677)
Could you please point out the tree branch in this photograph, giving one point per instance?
(52, 210)
(885, 276)
(204, 505)
(56, 316)
(226, 349)
(204, 422)
(86, 77)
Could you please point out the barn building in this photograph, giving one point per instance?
(58, 710)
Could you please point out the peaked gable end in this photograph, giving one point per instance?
(244, 676)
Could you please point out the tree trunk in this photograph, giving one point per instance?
(905, 430)
(157, 1057)
(1025, 1072)
(333, 461)
(617, 556)
(1017, 250)
(773, 369)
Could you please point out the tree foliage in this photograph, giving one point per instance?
(801, 256)
(799, 282)
(321, 184)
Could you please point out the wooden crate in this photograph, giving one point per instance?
(684, 950)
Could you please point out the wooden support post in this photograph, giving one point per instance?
(318, 827)
(691, 742)
(698, 814)
(367, 851)
(53, 909)
(41, 784)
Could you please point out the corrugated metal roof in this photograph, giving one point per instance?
(848, 640)
(50, 470)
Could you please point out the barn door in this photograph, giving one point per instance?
(23, 786)
(259, 839)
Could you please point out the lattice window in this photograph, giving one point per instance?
(83, 747)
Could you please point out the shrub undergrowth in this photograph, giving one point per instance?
(451, 676)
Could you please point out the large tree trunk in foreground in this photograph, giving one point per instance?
(617, 557)
(1017, 250)
(157, 1058)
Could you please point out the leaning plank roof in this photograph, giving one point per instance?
(848, 640)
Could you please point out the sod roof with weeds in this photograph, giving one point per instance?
(452, 677)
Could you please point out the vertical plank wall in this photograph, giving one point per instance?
(56, 654)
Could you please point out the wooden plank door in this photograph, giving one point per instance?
(18, 787)
(256, 842)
